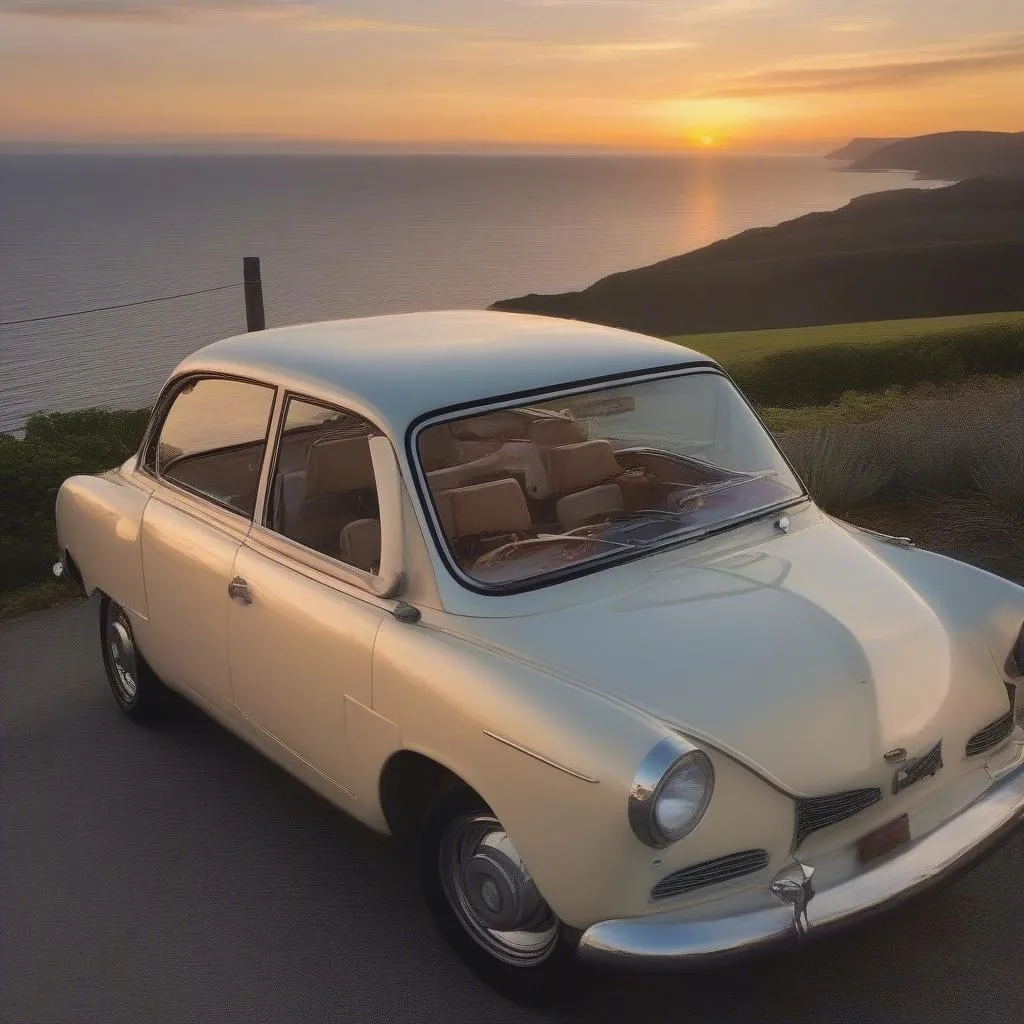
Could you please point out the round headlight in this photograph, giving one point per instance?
(671, 792)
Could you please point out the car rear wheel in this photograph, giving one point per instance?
(137, 690)
(486, 904)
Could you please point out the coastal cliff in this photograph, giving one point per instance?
(857, 149)
(945, 156)
(905, 253)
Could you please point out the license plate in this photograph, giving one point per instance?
(884, 840)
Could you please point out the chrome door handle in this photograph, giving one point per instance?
(238, 590)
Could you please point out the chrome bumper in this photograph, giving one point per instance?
(665, 940)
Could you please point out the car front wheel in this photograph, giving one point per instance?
(486, 904)
(137, 690)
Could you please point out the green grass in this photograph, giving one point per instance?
(819, 374)
(866, 407)
(852, 407)
(738, 346)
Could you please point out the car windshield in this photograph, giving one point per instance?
(526, 492)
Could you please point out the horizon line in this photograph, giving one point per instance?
(35, 148)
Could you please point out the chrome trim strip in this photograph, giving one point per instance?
(269, 455)
(539, 757)
(232, 522)
(888, 538)
(671, 941)
(314, 565)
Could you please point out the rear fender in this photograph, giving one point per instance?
(98, 526)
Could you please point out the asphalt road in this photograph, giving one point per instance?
(175, 875)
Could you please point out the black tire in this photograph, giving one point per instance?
(540, 977)
(136, 688)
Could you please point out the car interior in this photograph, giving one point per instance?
(533, 474)
(323, 493)
(503, 484)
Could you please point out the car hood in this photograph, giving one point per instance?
(805, 656)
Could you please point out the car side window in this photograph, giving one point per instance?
(323, 493)
(213, 438)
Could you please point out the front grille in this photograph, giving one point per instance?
(1016, 695)
(817, 812)
(918, 768)
(708, 872)
(991, 735)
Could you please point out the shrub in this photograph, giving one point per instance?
(32, 468)
(927, 447)
(997, 456)
(839, 466)
(852, 407)
(952, 444)
(103, 437)
(809, 376)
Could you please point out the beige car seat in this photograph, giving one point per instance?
(552, 431)
(476, 517)
(498, 506)
(360, 544)
(583, 476)
(336, 488)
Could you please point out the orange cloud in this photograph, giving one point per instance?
(879, 75)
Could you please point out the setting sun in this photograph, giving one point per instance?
(707, 140)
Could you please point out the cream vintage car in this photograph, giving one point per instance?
(547, 598)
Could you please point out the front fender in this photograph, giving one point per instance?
(974, 605)
(564, 803)
(98, 525)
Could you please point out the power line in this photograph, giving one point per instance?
(121, 305)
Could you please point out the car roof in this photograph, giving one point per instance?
(405, 365)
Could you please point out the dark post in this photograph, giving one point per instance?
(255, 320)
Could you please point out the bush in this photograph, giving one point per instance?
(852, 407)
(32, 468)
(954, 444)
(810, 376)
(839, 466)
(997, 458)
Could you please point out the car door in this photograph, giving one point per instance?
(205, 457)
(301, 633)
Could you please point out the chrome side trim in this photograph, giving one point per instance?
(888, 538)
(314, 564)
(671, 941)
(539, 757)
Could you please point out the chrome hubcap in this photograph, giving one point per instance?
(122, 654)
(492, 893)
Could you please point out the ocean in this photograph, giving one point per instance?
(338, 236)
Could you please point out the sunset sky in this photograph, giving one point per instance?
(650, 74)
